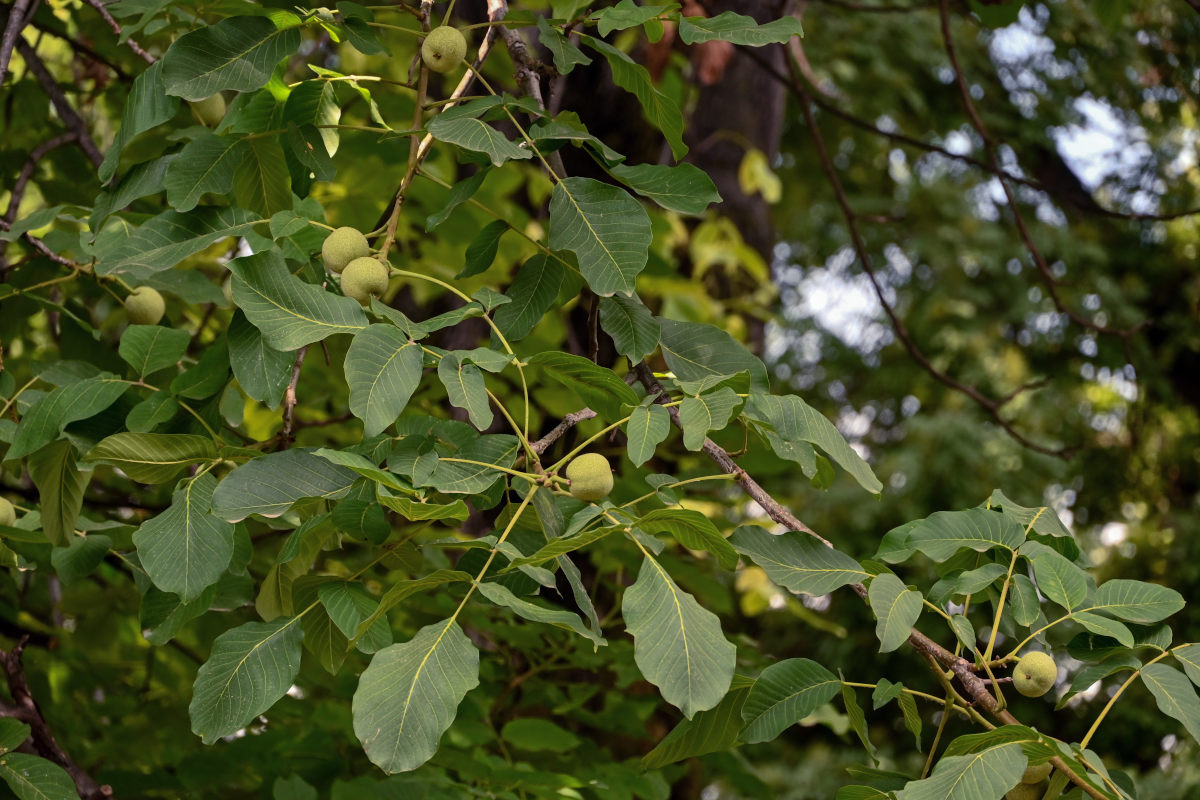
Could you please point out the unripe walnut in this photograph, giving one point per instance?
(364, 277)
(1025, 791)
(8, 514)
(1035, 674)
(210, 111)
(1037, 774)
(591, 477)
(343, 246)
(145, 306)
(443, 49)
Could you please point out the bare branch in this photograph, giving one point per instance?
(18, 17)
(66, 112)
(35, 155)
(289, 400)
(568, 422)
(112, 23)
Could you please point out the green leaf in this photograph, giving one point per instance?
(944, 533)
(348, 605)
(146, 106)
(289, 312)
(691, 529)
(261, 181)
(647, 428)
(237, 53)
(738, 29)
(794, 421)
(249, 669)
(661, 111)
(1137, 601)
(627, 14)
(12, 734)
(1025, 603)
(896, 610)
(163, 241)
(565, 54)
(696, 350)
(678, 644)
(404, 589)
(269, 484)
(481, 252)
(784, 694)
(963, 631)
(1189, 656)
(315, 103)
(465, 389)
(460, 193)
(81, 557)
(502, 596)
(60, 486)
(1104, 626)
(149, 348)
(262, 371)
(1059, 579)
(985, 775)
(607, 230)
(534, 734)
(418, 511)
(454, 478)
(711, 731)
(383, 369)
(141, 180)
(361, 519)
(684, 188)
(710, 411)
(206, 165)
(209, 375)
(152, 457)
(47, 417)
(597, 387)
(912, 717)
(797, 561)
(563, 545)
(409, 695)
(1175, 695)
(532, 294)
(478, 136)
(34, 778)
(633, 329)
(858, 720)
(185, 549)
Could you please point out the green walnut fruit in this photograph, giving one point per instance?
(443, 49)
(145, 306)
(1025, 791)
(1037, 774)
(325, 15)
(591, 477)
(210, 111)
(1035, 674)
(343, 246)
(363, 278)
(8, 514)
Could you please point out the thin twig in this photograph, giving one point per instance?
(112, 23)
(864, 258)
(66, 111)
(568, 422)
(35, 155)
(989, 147)
(289, 400)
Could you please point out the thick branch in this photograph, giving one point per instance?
(18, 18)
(66, 112)
(25, 709)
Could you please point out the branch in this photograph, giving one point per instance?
(18, 17)
(977, 688)
(66, 112)
(35, 155)
(112, 23)
(568, 422)
(996, 169)
(26, 709)
(289, 400)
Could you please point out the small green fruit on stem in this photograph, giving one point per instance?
(343, 246)
(363, 278)
(145, 306)
(8, 514)
(210, 111)
(1035, 674)
(1025, 791)
(443, 49)
(591, 477)
(1037, 774)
